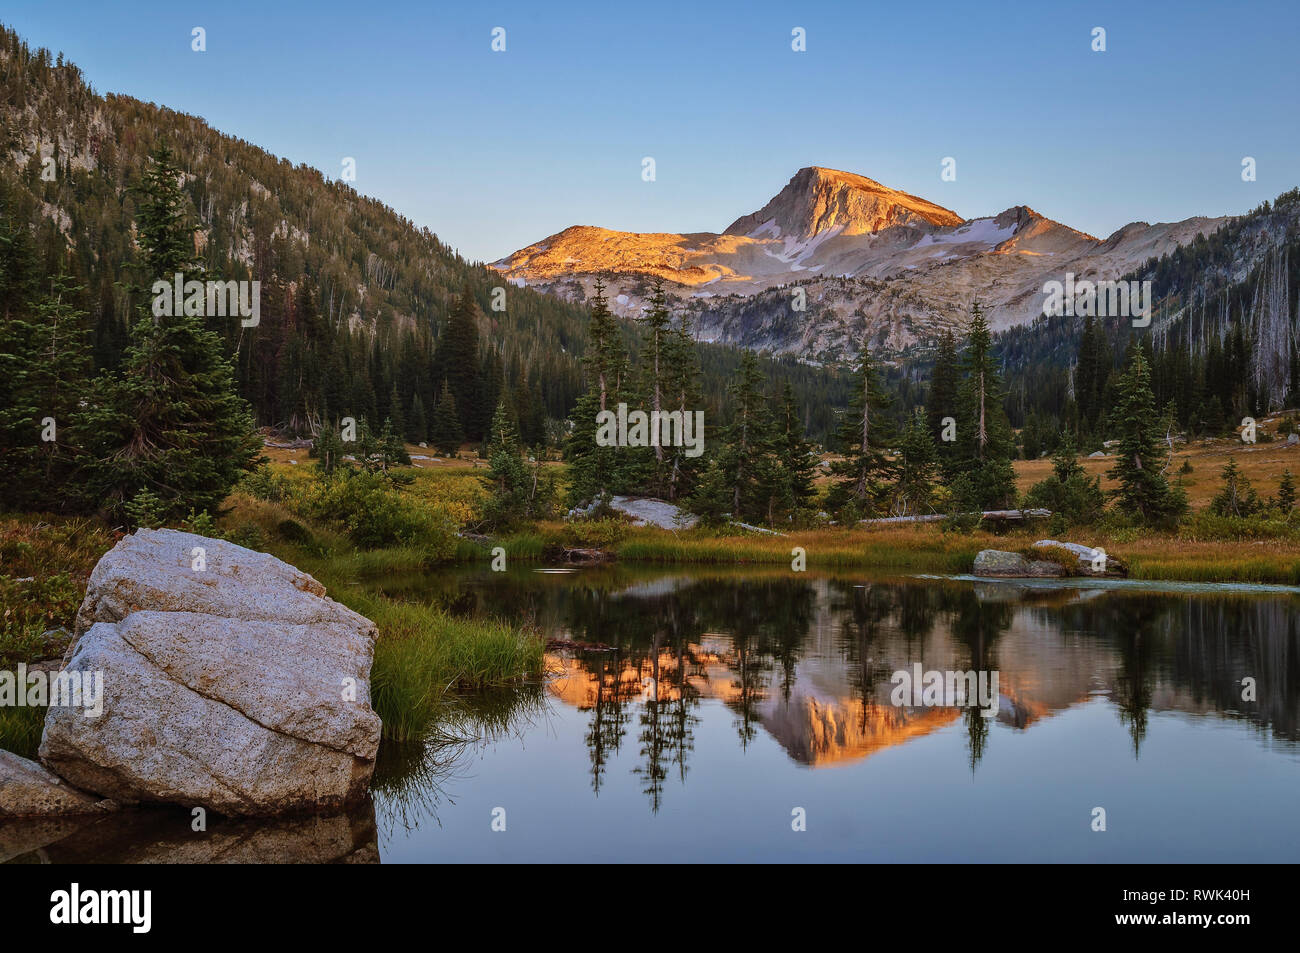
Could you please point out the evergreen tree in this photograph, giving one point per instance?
(648, 468)
(682, 389)
(746, 456)
(1072, 497)
(43, 426)
(381, 452)
(396, 417)
(518, 489)
(1238, 497)
(945, 383)
(173, 423)
(794, 453)
(417, 429)
(594, 470)
(457, 362)
(327, 448)
(446, 435)
(864, 437)
(1143, 492)
(1286, 493)
(914, 492)
(985, 444)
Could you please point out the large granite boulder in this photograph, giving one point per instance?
(28, 790)
(995, 562)
(230, 682)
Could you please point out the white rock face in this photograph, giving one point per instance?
(153, 569)
(237, 686)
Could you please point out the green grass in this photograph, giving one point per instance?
(903, 550)
(1263, 569)
(20, 729)
(423, 655)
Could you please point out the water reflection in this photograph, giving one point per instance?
(167, 836)
(807, 661)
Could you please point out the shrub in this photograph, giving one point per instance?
(597, 533)
(1072, 497)
(375, 513)
(291, 531)
(145, 510)
(265, 484)
(200, 523)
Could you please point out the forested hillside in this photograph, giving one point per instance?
(358, 308)
(1222, 344)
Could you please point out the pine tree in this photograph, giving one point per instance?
(327, 448)
(457, 362)
(945, 382)
(746, 456)
(794, 453)
(914, 491)
(518, 490)
(1286, 493)
(1143, 491)
(417, 429)
(864, 437)
(43, 423)
(594, 470)
(396, 416)
(985, 444)
(1238, 497)
(647, 468)
(445, 434)
(682, 387)
(173, 422)
(1072, 497)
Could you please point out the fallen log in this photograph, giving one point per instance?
(1011, 516)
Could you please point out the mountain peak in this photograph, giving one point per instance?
(817, 199)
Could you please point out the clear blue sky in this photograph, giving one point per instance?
(496, 150)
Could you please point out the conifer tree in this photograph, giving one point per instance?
(445, 434)
(864, 437)
(914, 491)
(1237, 497)
(396, 417)
(985, 444)
(1143, 493)
(1286, 493)
(594, 470)
(647, 468)
(682, 387)
(457, 362)
(327, 448)
(1072, 497)
(794, 453)
(945, 382)
(46, 418)
(746, 457)
(417, 429)
(518, 489)
(174, 423)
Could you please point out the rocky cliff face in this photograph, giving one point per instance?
(818, 200)
(873, 263)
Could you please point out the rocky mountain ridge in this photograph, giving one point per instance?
(874, 264)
